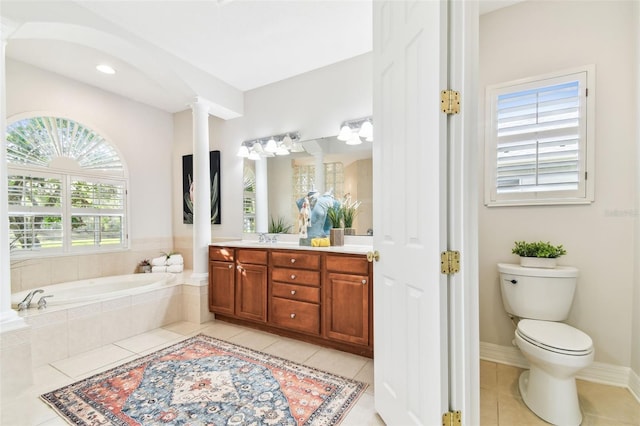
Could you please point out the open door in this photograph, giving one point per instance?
(417, 156)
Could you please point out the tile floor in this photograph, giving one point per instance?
(500, 403)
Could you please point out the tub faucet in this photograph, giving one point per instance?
(26, 302)
(42, 303)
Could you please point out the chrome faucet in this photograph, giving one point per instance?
(263, 237)
(26, 302)
(42, 302)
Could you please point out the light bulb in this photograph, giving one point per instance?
(243, 151)
(286, 141)
(282, 150)
(271, 146)
(354, 140)
(345, 133)
(366, 131)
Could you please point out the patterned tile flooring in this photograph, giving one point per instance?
(500, 403)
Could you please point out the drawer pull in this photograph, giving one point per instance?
(293, 277)
(364, 282)
(292, 316)
(293, 261)
(293, 292)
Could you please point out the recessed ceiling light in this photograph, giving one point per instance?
(106, 69)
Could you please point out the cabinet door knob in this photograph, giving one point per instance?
(230, 266)
(293, 292)
(239, 268)
(364, 282)
(293, 261)
(293, 277)
(292, 315)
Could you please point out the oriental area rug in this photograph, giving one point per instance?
(206, 381)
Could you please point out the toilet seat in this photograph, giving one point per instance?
(555, 337)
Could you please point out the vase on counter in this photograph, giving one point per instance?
(336, 236)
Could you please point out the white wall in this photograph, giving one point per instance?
(314, 103)
(143, 137)
(635, 339)
(533, 38)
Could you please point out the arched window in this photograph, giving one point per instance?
(67, 189)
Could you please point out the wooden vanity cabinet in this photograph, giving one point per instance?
(295, 291)
(251, 284)
(222, 280)
(315, 296)
(347, 297)
(238, 283)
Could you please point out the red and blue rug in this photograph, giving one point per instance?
(206, 381)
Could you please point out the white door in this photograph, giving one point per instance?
(411, 226)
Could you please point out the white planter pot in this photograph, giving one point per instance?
(538, 262)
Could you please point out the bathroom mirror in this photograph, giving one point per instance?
(325, 164)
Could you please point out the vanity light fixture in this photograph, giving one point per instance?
(270, 146)
(351, 131)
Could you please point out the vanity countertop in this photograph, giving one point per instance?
(290, 245)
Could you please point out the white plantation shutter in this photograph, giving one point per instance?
(66, 189)
(35, 211)
(537, 141)
(97, 212)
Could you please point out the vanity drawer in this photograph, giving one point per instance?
(296, 276)
(256, 257)
(296, 292)
(347, 264)
(295, 259)
(295, 315)
(223, 254)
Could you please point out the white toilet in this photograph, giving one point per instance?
(556, 352)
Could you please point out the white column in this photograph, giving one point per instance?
(262, 196)
(202, 192)
(7, 315)
(319, 175)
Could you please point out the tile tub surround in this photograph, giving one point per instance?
(62, 331)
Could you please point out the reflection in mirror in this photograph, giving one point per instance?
(326, 164)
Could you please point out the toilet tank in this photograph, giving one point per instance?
(537, 293)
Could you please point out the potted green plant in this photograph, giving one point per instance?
(145, 266)
(349, 213)
(538, 254)
(336, 233)
(279, 226)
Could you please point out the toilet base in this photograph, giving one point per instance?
(553, 400)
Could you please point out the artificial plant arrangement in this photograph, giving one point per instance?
(335, 216)
(336, 233)
(538, 254)
(349, 211)
(279, 226)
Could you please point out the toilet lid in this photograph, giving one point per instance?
(555, 337)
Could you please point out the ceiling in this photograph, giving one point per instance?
(168, 52)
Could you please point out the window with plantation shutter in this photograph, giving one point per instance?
(539, 140)
(67, 189)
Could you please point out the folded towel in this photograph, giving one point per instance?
(159, 261)
(175, 259)
(158, 269)
(320, 242)
(175, 268)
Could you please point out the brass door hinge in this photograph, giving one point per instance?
(450, 262)
(450, 101)
(452, 418)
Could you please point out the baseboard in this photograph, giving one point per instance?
(634, 384)
(598, 372)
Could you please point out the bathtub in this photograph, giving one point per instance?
(96, 289)
(90, 314)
